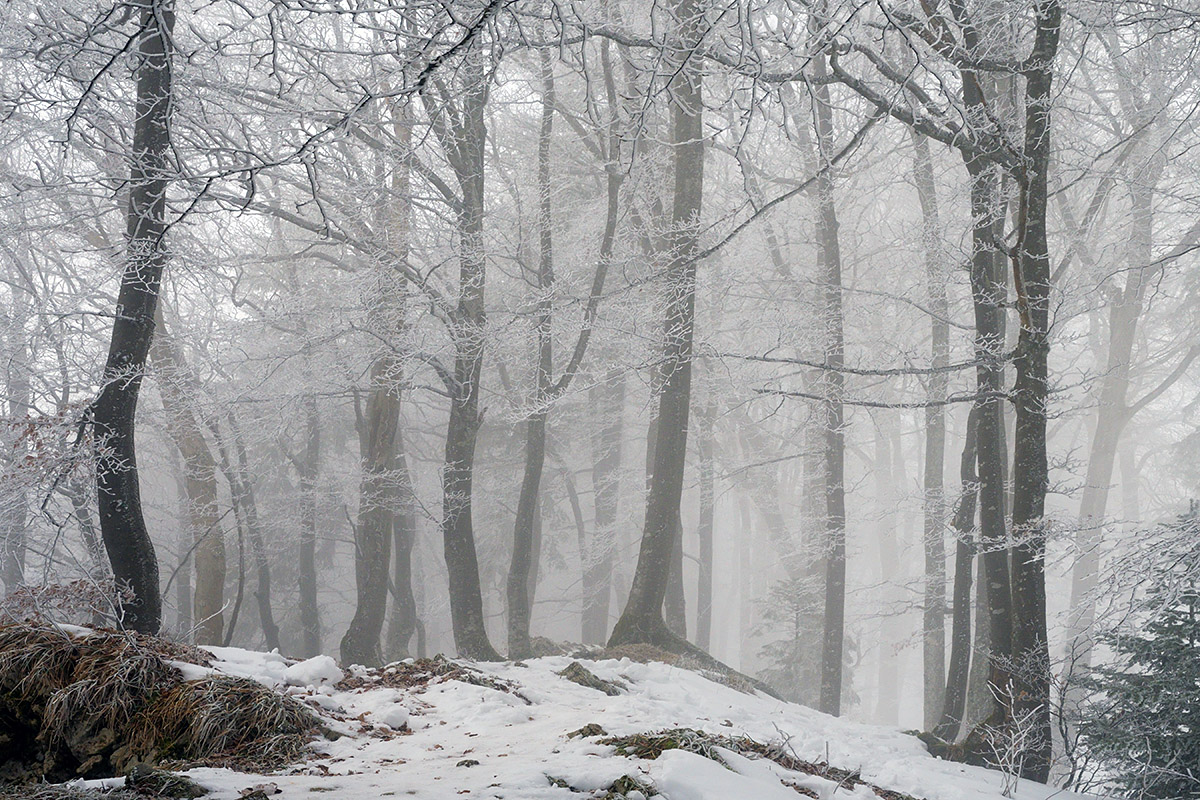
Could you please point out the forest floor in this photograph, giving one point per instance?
(558, 727)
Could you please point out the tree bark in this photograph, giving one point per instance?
(988, 294)
(607, 400)
(934, 616)
(308, 467)
(262, 566)
(402, 622)
(373, 534)
(642, 620)
(520, 588)
(954, 704)
(384, 488)
(463, 134)
(122, 525)
(704, 584)
(1031, 656)
(833, 635)
(14, 494)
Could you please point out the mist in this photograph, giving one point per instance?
(846, 347)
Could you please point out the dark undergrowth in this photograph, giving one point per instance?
(95, 704)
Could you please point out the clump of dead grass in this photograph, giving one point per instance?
(578, 673)
(418, 674)
(651, 745)
(95, 703)
(235, 722)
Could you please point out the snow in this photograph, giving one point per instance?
(266, 668)
(452, 739)
(192, 672)
(679, 775)
(313, 672)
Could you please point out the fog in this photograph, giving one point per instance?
(749, 331)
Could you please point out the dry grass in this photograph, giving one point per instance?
(97, 704)
(419, 673)
(51, 792)
(234, 722)
(652, 745)
(577, 673)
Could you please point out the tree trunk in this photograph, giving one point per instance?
(384, 485)
(607, 400)
(308, 466)
(402, 622)
(520, 588)
(245, 496)
(1030, 392)
(464, 140)
(988, 294)
(674, 602)
(186, 430)
(704, 528)
(934, 616)
(955, 697)
(890, 639)
(833, 636)
(122, 525)
(14, 495)
(642, 620)
(373, 533)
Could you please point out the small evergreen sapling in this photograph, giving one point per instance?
(1143, 725)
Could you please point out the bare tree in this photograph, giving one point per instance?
(122, 524)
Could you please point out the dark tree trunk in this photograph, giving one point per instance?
(1030, 395)
(520, 587)
(122, 525)
(642, 619)
(402, 623)
(955, 698)
(607, 400)
(381, 452)
(308, 466)
(522, 577)
(401, 495)
(988, 292)
(674, 602)
(934, 617)
(373, 533)
(262, 567)
(833, 636)
(463, 136)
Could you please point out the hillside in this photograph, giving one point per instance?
(437, 729)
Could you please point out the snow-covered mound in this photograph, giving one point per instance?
(442, 729)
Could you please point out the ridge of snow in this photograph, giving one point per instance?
(451, 739)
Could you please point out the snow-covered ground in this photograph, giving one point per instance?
(453, 739)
